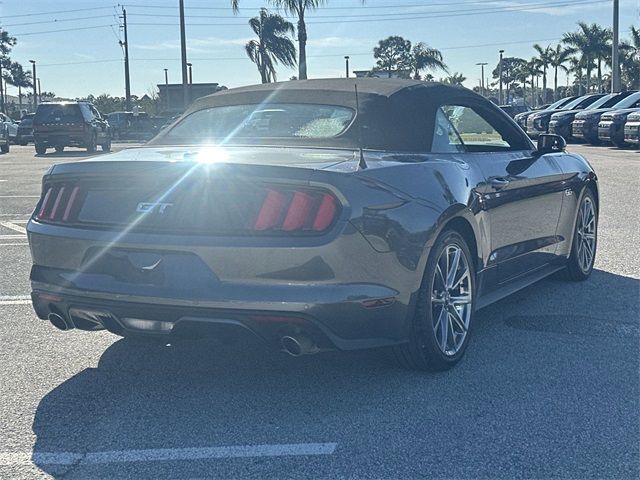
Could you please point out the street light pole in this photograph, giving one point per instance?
(346, 65)
(615, 52)
(190, 73)
(500, 77)
(39, 92)
(482, 64)
(127, 79)
(183, 52)
(35, 85)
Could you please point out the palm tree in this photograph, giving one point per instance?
(575, 66)
(593, 44)
(559, 57)
(272, 46)
(630, 59)
(546, 56)
(425, 57)
(455, 79)
(19, 77)
(296, 8)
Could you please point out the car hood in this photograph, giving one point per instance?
(565, 114)
(622, 113)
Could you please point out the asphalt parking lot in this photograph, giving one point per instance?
(549, 386)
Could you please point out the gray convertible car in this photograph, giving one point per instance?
(315, 215)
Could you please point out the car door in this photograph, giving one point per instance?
(521, 194)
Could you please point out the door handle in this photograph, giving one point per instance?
(499, 183)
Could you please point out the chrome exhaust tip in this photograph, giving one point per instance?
(298, 345)
(60, 322)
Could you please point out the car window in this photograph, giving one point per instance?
(629, 102)
(57, 113)
(476, 133)
(237, 122)
(445, 136)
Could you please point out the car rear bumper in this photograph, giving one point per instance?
(61, 140)
(342, 293)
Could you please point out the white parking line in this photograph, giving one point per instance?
(166, 454)
(19, 196)
(14, 227)
(12, 244)
(15, 299)
(9, 237)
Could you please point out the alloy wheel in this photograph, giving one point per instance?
(451, 299)
(586, 230)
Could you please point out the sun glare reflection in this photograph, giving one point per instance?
(211, 154)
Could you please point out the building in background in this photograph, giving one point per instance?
(171, 95)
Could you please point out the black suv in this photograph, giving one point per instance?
(70, 124)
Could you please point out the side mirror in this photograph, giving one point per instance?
(548, 143)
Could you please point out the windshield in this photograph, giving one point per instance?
(628, 102)
(580, 102)
(235, 123)
(605, 102)
(559, 103)
(56, 113)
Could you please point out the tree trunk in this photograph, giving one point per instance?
(588, 75)
(599, 74)
(302, 48)
(20, 99)
(555, 84)
(544, 85)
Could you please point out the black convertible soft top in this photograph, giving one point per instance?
(393, 114)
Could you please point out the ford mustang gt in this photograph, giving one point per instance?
(315, 215)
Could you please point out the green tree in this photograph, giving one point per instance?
(19, 77)
(545, 55)
(559, 56)
(630, 60)
(105, 103)
(7, 42)
(511, 67)
(296, 8)
(593, 43)
(394, 53)
(426, 58)
(455, 79)
(272, 46)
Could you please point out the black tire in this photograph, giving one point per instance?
(4, 148)
(23, 144)
(574, 271)
(41, 149)
(93, 144)
(59, 148)
(422, 351)
(106, 146)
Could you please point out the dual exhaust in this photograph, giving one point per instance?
(60, 322)
(295, 345)
(298, 345)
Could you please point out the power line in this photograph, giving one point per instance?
(56, 20)
(434, 14)
(57, 11)
(62, 30)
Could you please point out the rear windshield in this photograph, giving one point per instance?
(628, 102)
(58, 113)
(235, 123)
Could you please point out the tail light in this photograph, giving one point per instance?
(59, 204)
(296, 211)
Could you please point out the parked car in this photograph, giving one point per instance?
(632, 129)
(70, 124)
(25, 130)
(585, 125)
(521, 118)
(513, 110)
(560, 123)
(5, 140)
(538, 123)
(314, 221)
(611, 126)
(10, 125)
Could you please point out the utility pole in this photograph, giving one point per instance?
(166, 88)
(346, 66)
(127, 79)
(35, 85)
(39, 92)
(615, 53)
(1, 90)
(482, 91)
(500, 77)
(183, 51)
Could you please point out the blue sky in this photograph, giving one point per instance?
(459, 28)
